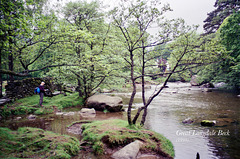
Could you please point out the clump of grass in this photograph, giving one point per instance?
(116, 133)
(65, 101)
(36, 143)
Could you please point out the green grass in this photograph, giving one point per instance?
(30, 104)
(115, 133)
(59, 100)
(36, 143)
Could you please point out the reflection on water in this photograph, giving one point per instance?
(165, 116)
(59, 123)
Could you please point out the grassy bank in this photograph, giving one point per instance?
(29, 105)
(112, 134)
(36, 143)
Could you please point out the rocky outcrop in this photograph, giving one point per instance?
(104, 102)
(130, 151)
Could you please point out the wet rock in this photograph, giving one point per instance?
(194, 81)
(219, 85)
(75, 129)
(68, 113)
(207, 85)
(207, 90)
(103, 102)
(18, 118)
(64, 113)
(208, 122)
(88, 113)
(32, 117)
(56, 93)
(59, 113)
(187, 121)
(4, 101)
(130, 151)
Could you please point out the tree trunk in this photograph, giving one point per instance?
(137, 115)
(163, 86)
(134, 90)
(1, 82)
(80, 94)
(143, 74)
(10, 60)
(10, 67)
(143, 85)
(86, 93)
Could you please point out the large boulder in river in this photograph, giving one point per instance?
(104, 102)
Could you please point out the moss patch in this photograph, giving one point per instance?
(112, 134)
(29, 105)
(36, 143)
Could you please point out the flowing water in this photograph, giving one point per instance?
(165, 115)
(179, 102)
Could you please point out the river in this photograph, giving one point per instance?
(165, 115)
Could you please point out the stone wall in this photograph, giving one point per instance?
(23, 88)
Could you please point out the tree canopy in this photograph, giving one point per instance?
(224, 8)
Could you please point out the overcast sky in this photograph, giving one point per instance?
(192, 11)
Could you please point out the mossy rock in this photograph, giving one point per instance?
(36, 143)
(114, 134)
(208, 122)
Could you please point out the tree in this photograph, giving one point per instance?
(229, 34)
(224, 8)
(133, 23)
(87, 41)
(11, 19)
(133, 19)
